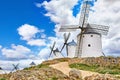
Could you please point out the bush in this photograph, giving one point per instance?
(42, 66)
(54, 78)
(2, 79)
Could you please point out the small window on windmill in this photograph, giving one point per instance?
(89, 45)
(91, 35)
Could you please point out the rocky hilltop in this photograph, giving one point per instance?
(102, 68)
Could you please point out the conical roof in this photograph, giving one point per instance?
(56, 50)
(0, 68)
(91, 29)
(32, 63)
(72, 43)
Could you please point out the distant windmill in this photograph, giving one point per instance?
(1, 69)
(89, 39)
(32, 63)
(56, 53)
(66, 37)
(71, 49)
(15, 67)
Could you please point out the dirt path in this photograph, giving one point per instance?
(64, 67)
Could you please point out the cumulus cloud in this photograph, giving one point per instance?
(38, 5)
(60, 11)
(37, 42)
(16, 52)
(27, 31)
(32, 35)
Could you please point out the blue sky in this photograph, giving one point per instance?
(33, 25)
(14, 13)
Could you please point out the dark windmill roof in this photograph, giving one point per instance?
(91, 30)
(32, 63)
(72, 43)
(56, 50)
(0, 68)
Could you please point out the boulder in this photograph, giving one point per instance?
(75, 74)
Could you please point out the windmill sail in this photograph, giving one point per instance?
(52, 49)
(65, 41)
(84, 14)
(83, 23)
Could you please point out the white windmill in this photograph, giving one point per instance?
(32, 63)
(71, 49)
(56, 53)
(89, 42)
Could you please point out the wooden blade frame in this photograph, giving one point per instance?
(65, 39)
(52, 48)
(82, 28)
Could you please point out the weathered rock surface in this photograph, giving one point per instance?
(41, 74)
(75, 74)
(100, 77)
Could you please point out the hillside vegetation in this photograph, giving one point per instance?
(102, 65)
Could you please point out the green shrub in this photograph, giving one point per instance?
(2, 79)
(42, 66)
(54, 78)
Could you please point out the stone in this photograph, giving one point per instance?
(75, 74)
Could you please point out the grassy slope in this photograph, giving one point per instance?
(95, 68)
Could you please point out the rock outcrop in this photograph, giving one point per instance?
(41, 74)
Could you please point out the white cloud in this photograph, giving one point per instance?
(44, 52)
(16, 52)
(37, 42)
(29, 32)
(60, 11)
(38, 5)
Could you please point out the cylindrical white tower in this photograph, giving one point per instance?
(91, 45)
(71, 49)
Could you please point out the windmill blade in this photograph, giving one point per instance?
(80, 41)
(62, 47)
(66, 39)
(52, 48)
(67, 49)
(68, 28)
(98, 29)
(103, 54)
(14, 65)
(17, 65)
(84, 13)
